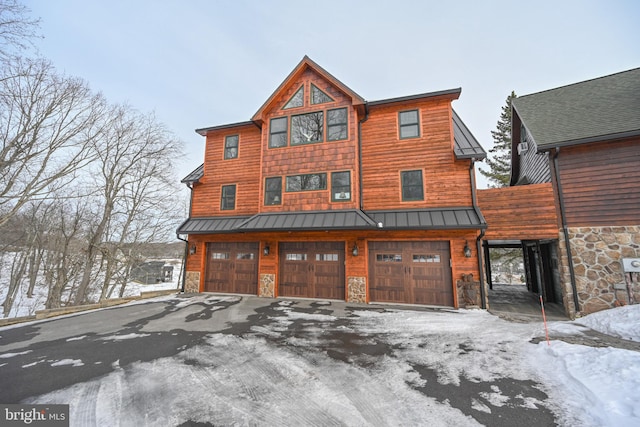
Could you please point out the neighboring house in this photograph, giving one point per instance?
(584, 138)
(322, 194)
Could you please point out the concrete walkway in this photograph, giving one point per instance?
(516, 303)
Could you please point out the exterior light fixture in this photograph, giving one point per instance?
(467, 250)
(354, 251)
(192, 249)
(265, 251)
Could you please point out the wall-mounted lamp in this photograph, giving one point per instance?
(265, 251)
(354, 251)
(192, 249)
(467, 250)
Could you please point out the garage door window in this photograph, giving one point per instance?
(296, 257)
(220, 255)
(389, 257)
(245, 255)
(326, 257)
(426, 258)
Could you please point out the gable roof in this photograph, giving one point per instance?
(297, 71)
(594, 110)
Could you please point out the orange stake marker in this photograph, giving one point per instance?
(544, 318)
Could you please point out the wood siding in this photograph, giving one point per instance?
(385, 155)
(601, 182)
(523, 212)
(532, 167)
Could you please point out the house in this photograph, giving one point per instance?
(584, 140)
(322, 194)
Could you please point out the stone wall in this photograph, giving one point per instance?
(357, 289)
(267, 286)
(468, 292)
(192, 283)
(597, 254)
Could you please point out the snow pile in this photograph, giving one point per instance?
(622, 322)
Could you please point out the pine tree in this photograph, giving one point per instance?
(499, 159)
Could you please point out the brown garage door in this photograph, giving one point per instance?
(232, 267)
(312, 270)
(410, 272)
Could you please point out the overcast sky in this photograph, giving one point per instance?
(205, 63)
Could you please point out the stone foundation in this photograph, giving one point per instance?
(597, 254)
(192, 282)
(468, 292)
(357, 289)
(267, 286)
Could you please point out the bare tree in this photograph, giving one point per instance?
(46, 124)
(17, 29)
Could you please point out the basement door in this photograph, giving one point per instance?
(410, 273)
(232, 267)
(312, 270)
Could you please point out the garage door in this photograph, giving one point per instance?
(312, 270)
(232, 267)
(410, 272)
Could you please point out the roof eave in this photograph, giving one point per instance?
(598, 138)
(448, 93)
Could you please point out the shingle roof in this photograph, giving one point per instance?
(604, 108)
(430, 219)
(466, 146)
(195, 175)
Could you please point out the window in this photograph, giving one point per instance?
(409, 124)
(296, 257)
(273, 191)
(307, 128)
(327, 257)
(412, 188)
(231, 147)
(426, 258)
(340, 186)
(337, 124)
(245, 255)
(297, 100)
(310, 182)
(278, 132)
(318, 96)
(389, 257)
(228, 201)
(220, 255)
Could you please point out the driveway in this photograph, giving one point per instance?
(228, 360)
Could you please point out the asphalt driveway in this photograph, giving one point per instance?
(216, 360)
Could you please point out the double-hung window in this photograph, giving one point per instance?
(228, 199)
(412, 188)
(409, 122)
(278, 132)
(337, 122)
(340, 186)
(273, 191)
(231, 147)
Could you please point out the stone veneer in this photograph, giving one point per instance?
(597, 254)
(267, 286)
(357, 289)
(192, 283)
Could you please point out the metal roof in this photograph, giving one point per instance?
(308, 220)
(203, 131)
(466, 146)
(211, 225)
(430, 219)
(455, 93)
(594, 110)
(195, 175)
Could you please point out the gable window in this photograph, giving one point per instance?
(337, 123)
(273, 191)
(308, 182)
(228, 201)
(318, 96)
(412, 188)
(409, 124)
(307, 128)
(231, 147)
(278, 132)
(297, 100)
(340, 186)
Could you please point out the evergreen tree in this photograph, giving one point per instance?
(499, 159)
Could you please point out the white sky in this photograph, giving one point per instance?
(200, 63)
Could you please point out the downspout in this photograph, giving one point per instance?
(364, 119)
(556, 171)
(474, 203)
(186, 244)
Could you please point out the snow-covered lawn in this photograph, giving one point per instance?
(309, 365)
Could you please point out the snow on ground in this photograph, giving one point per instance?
(249, 380)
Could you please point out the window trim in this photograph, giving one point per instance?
(285, 132)
(346, 124)
(311, 87)
(333, 192)
(292, 144)
(237, 146)
(402, 126)
(300, 89)
(402, 185)
(286, 186)
(266, 191)
(223, 197)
